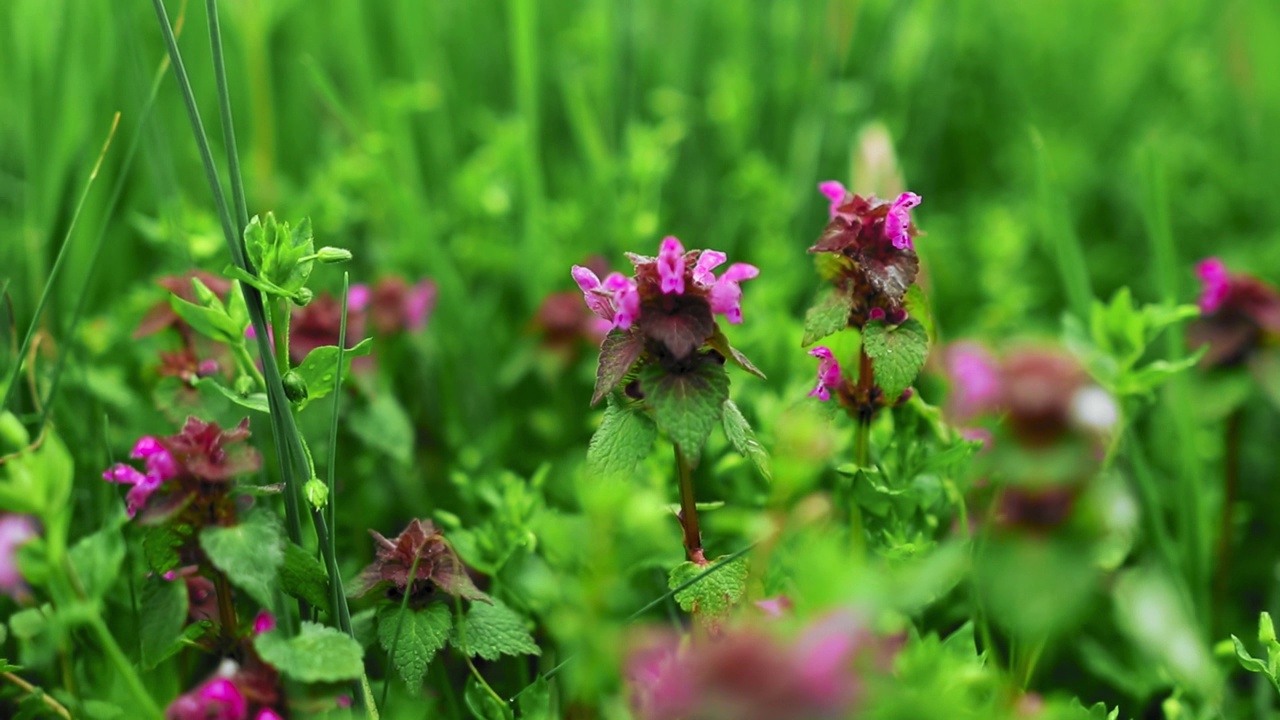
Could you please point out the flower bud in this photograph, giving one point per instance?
(333, 255)
(1266, 629)
(303, 297)
(206, 296)
(295, 388)
(317, 492)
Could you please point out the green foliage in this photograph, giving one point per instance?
(743, 439)
(413, 637)
(96, 559)
(316, 654)
(618, 354)
(624, 439)
(897, 354)
(303, 576)
(828, 317)
(223, 323)
(686, 405)
(282, 256)
(491, 631)
(1270, 667)
(250, 553)
(317, 369)
(714, 595)
(164, 605)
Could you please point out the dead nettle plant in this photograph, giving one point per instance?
(662, 369)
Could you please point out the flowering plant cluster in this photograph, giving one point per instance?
(1240, 315)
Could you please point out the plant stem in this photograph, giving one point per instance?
(226, 611)
(1230, 482)
(30, 689)
(689, 510)
(280, 326)
(248, 365)
(124, 668)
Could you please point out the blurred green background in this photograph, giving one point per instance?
(491, 145)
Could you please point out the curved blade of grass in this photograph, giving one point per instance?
(719, 565)
(56, 270)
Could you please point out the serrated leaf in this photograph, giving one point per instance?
(535, 701)
(316, 654)
(618, 353)
(897, 354)
(253, 401)
(686, 405)
(303, 576)
(743, 439)
(828, 317)
(164, 609)
(250, 554)
(422, 633)
(318, 368)
(623, 440)
(720, 344)
(492, 631)
(97, 558)
(713, 595)
(160, 545)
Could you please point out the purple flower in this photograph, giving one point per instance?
(160, 467)
(975, 380)
(708, 261)
(899, 219)
(418, 303)
(264, 622)
(828, 373)
(1215, 284)
(835, 192)
(217, 699)
(615, 300)
(358, 297)
(725, 296)
(671, 266)
(14, 531)
(268, 714)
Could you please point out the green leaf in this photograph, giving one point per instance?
(743, 439)
(422, 633)
(716, 593)
(535, 701)
(97, 558)
(492, 631)
(686, 405)
(317, 370)
(316, 654)
(160, 545)
(164, 608)
(212, 323)
(618, 353)
(383, 425)
(1248, 661)
(250, 554)
(266, 287)
(253, 401)
(622, 442)
(303, 576)
(28, 623)
(829, 316)
(897, 354)
(720, 344)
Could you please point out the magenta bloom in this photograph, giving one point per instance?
(418, 304)
(615, 300)
(725, 296)
(671, 266)
(708, 261)
(160, 467)
(975, 380)
(1215, 284)
(835, 192)
(899, 219)
(14, 531)
(264, 622)
(217, 699)
(828, 373)
(358, 297)
(268, 714)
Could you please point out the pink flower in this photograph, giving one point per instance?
(1215, 284)
(828, 373)
(158, 460)
(708, 261)
(975, 381)
(264, 622)
(899, 219)
(358, 297)
(14, 531)
(268, 714)
(217, 699)
(143, 485)
(725, 296)
(597, 298)
(418, 304)
(671, 266)
(835, 192)
(775, 607)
